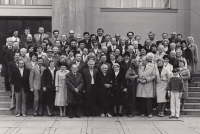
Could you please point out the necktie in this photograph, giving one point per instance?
(130, 42)
(40, 70)
(74, 74)
(40, 38)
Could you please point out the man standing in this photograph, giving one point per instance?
(55, 37)
(35, 85)
(71, 36)
(25, 58)
(100, 38)
(80, 64)
(40, 36)
(28, 42)
(89, 78)
(74, 82)
(21, 87)
(130, 39)
(113, 46)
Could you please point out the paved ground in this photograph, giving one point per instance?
(97, 125)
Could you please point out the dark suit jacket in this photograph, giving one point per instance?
(9, 56)
(87, 44)
(54, 58)
(174, 62)
(47, 79)
(21, 82)
(119, 81)
(12, 67)
(26, 44)
(120, 48)
(99, 64)
(102, 40)
(87, 78)
(72, 83)
(110, 49)
(102, 80)
(80, 67)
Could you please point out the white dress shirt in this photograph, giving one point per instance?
(21, 71)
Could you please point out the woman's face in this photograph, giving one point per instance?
(181, 64)
(34, 58)
(142, 51)
(117, 52)
(154, 49)
(165, 44)
(67, 49)
(183, 45)
(31, 49)
(190, 40)
(71, 54)
(126, 57)
(166, 60)
(112, 57)
(63, 67)
(52, 64)
(123, 41)
(116, 69)
(159, 63)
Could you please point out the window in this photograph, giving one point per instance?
(138, 3)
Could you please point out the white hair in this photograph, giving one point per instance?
(135, 42)
(23, 50)
(104, 66)
(149, 55)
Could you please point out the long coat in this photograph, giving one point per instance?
(72, 83)
(21, 81)
(185, 75)
(47, 79)
(35, 78)
(11, 68)
(146, 90)
(194, 65)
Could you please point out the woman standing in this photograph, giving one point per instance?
(167, 64)
(118, 89)
(185, 75)
(48, 84)
(162, 78)
(61, 88)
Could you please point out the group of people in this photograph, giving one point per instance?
(99, 73)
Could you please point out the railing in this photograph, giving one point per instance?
(26, 2)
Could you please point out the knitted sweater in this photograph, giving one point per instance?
(176, 84)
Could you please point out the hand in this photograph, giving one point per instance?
(56, 88)
(31, 89)
(169, 94)
(107, 85)
(83, 91)
(44, 89)
(180, 95)
(76, 90)
(125, 90)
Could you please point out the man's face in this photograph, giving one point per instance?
(27, 31)
(41, 30)
(21, 64)
(56, 34)
(29, 38)
(173, 35)
(39, 50)
(130, 50)
(71, 35)
(99, 52)
(44, 45)
(57, 43)
(117, 52)
(117, 37)
(17, 55)
(91, 65)
(49, 54)
(82, 45)
(64, 37)
(100, 32)
(85, 51)
(160, 63)
(34, 58)
(95, 45)
(164, 36)
(151, 36)
(112, 57)
(73, 44)
(55, 50)
(150, 58)
(40, 62)
(178, 53)
(123, 41)
(104, 50)
(126, 57)
(78, 57)
(15, 45)
(113, 41)
(23, 53)
(172, 54)
(86, 36)
(93, 38)
(107, 38)
(138, 39)
(15, 33)
(172, 46)
(104, 69)
(144, 62)
(30, 49)
(103, 59)
(142, 51)
(130, 35)
(135, 45)
(74, 68)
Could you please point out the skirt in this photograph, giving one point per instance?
(161, 91)
(61, 96)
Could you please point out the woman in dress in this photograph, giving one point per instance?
(61, 89)
(185, 75)
(48, 84)
(118, 89)
(162, 78)
(194, 49)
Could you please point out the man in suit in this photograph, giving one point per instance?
(40, 36)
(49, 58)
(136, 49)
(23, 37)
(172, 39)
(113, 45)
(74, 82)
(89, 87)
(81, 46)
(100, 37)
(84, 55)
(131, 52)
(21, 87)
(15, 36)
(130, 39)
(138, 38)
(86, 40)
(152, 37)
(107, 42)
(78, 62)
(11, 52)
(33, 62)
(35, 85)
(25, 58)
(95, 47)
(63, 40)
(29, 41)
(12, 66)
(71, 36)
(117, 37)
(103, 60)
(55, 37)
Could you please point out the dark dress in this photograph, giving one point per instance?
(118, 86)
(49, 83)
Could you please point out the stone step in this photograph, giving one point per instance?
(5, 93)
(196, 78)
(194, 94)
(194, 84)
(193, 100)
(192, 105)
(6, 111)
(193, 89)
(192, 111)
(4, 104)
(5, 99)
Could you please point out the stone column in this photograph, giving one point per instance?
(69, 15)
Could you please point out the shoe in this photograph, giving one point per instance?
(24, 115)
(130, 115)
(49, 115)
(12, 108)
(159, 114)
(114, 114)
(162, 114)
(108, 115)
(17, 115)
(142, 115)
(102, 115)
(70, 116)
(78, 116)
(120, 115)
(40, 115)
(171, 117)
(150, 116)
(35, 115)
(61, 115)
(176, 117)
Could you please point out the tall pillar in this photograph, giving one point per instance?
(69, 15)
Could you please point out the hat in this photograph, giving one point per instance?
(127, 54)
(49, 50)
(71, 31)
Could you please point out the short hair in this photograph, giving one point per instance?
(179, 50)
(17, 52)
(34, 54)
(165, 40)
(74, 65)
(30, 47)
(89, 61)
(137, 36)
(51, 62)
(150, 54)
(130, 32)
(41, 27)
(164, 33)
(72, 40)
(63, 64)
(55, 31)
(77, 53)
(104, 65)
(116, 64)
(86, 33)
(166, 56)
(183, 41)
(190, 37)
(39, 46)
(102, 55)
(107, 35)
(27, 28)
(151, 33)
(100, 29)
(180, 35)
(23, 49)
(182, 61)
(172, 44)
(40, 58)
(159, 59)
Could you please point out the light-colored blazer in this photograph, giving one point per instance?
(35, 78)
(30, 66)
(37, 37)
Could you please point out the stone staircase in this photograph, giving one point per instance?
(192, 105)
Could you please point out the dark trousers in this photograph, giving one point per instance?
(74, 110)
(146, 105)
(130, 99)
(91, 100)
(104, 100)
(7, 83)
(20, 102)
(38, 103)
